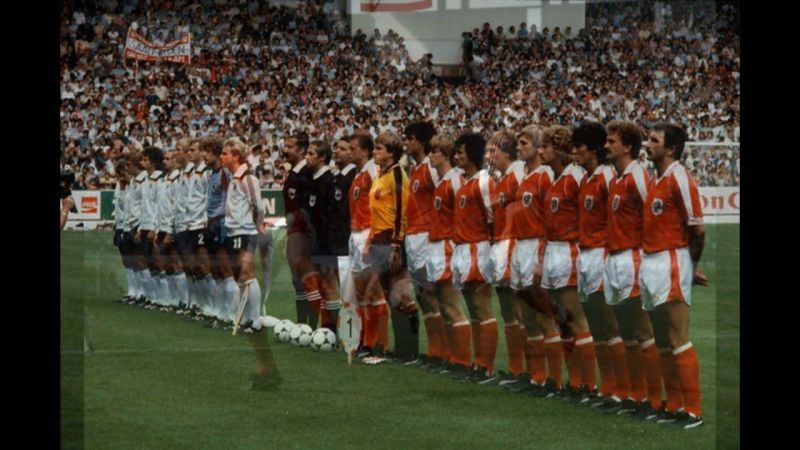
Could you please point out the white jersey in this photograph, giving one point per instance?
(243, 196)
(149, 212)
(119, 207)
(181, 198)
(196, 201)
(167, 202)
(134, 202)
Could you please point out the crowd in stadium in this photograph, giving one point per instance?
(261, 72)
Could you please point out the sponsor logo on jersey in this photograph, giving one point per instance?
(658, 206)
(554, 204)
(415, 186)
(588, 202)
(462, 202)
(437, 203)
(527, 198)
(312, 200)
(502, 199)
(356, 193)
(337, 194)
(615, 202)
(292, 193)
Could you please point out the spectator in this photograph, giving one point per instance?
(308, 73)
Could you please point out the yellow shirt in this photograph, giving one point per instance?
(388, 201)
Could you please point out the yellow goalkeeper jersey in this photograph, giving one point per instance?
(388, 201)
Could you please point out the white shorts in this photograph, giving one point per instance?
(524, 259)
(501, 261)
(358, 240)
(665, 277)
(416, 250)
(591, 265)
(621, 276)
(560, 265)
(472, 262)
(440, 255)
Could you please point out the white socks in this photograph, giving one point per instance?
(231, 299)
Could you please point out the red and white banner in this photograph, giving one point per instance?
(137, 47)
(395, 5)
(720, 204)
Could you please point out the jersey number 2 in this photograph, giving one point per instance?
(200, 239)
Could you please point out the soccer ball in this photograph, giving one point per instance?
(283, 336)
(323, 340)
(277, 328)
(269, 321)
(282, 330)
(300, 335)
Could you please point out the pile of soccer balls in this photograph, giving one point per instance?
(301, 335)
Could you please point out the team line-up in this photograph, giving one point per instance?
(592, 260)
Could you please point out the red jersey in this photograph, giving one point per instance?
(359, 196)
(444, 200)
(672, 205)
(503, 205)
(626, 196)
(473, 209)
(423, 181)
(561, 205)
(593, 209)
(529, 222)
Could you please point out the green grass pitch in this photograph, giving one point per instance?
(154, 380)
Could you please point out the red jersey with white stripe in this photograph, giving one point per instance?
(561, 205)
(473, 209)
(672, 205)
(592, 208)
(359, 196)
(423, 181)
(626, 196)
(504, 205)
(444, 200)
(529, 222)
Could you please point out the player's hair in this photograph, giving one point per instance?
(474, 146)
(364, 141)
(212, 144)
(628, 133)
(323, 150)
(593, 136)
(560, 137)
(423, 132)
(155, 155)
(183, 143)
(393, 144)
(134, 158)
(121, 168)
(444, 143)
(238, 147)
(534, 133)
(301, 139)
(674, 137)
(506, 142)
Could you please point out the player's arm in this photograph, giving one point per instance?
(544, 186)
(252, 189)
(172, 209)
(697, 239)
(398, 233)
(486, 185)
(688, 200)
(67, 205)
